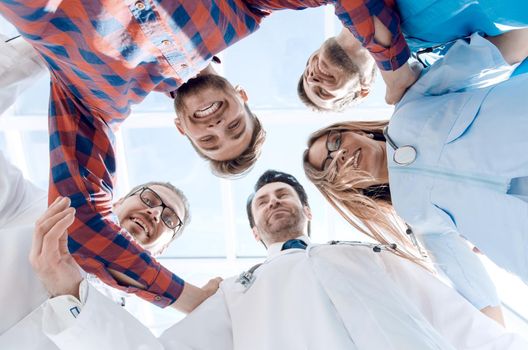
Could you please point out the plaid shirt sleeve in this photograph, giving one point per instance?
(83, 162)
(356, 15)
(82, 168)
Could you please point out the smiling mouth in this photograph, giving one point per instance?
(141, 224)
(208, 110)
(322, 72)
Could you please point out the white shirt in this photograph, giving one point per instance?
(324, 297)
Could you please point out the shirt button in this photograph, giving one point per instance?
(157, 298)
(139, 5)
(184, 65)
(166, 42)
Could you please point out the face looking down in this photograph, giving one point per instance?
(152, 215)
(356, 150)
(213, 115)
(332, 76)
(278, 213)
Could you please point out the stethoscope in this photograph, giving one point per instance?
(247, 278)
(403, 155)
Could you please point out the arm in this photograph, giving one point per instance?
(83, 169)
(450, 314)
(452, 255)
(376, 25)
(102, 324)
(513, 45)
(78, 317)
(20, 67)
(473, 65)
(82, 158)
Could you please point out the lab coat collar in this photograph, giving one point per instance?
(275, 248)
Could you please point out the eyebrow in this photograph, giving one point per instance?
(259, 198)
(282, 190)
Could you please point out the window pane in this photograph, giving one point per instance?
(36, 153)
(161, 154)
(34, 100)
(273, 58)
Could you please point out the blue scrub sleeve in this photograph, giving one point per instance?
(467, 65)
(463, 267)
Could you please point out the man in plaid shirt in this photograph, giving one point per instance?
(105, 56)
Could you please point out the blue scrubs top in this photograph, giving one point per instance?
(468, 120)
(427, 23)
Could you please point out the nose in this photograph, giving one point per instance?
(312, 77)
(215, 122)
(155, 214)
(343, 156)
(273, 203)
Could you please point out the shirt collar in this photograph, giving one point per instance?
(275, 248)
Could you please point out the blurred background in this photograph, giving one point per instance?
(218, 241)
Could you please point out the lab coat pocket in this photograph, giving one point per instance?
(467, 115)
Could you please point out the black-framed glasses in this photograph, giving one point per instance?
(153, 200)
(333, 143)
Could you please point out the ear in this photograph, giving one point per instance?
(242, 93)
(179, 125)
(307, 212)
(256, 233)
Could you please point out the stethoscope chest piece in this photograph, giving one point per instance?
(403, 155)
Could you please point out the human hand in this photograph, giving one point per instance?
(193, 296)
(212, 286)
(49, 255)
(399, 81)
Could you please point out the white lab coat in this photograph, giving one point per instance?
(20, 67)
(327, 297)
(21, 203)
(21, 294)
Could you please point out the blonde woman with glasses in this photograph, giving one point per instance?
(452, 163)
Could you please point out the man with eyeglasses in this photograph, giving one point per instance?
(153, 214)
(107, 55)
(342, 295)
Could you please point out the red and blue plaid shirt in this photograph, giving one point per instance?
(106, 55)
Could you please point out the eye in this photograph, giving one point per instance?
(334, 142)
(234, 125)
(324, 93)
(169, 222)
(147, 201)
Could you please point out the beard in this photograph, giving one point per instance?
(340, 59)
(195, 85)
(282, 228)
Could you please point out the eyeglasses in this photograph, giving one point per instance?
(151, 199)
(333, 143)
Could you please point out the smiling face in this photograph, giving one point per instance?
(212, 114)
(332, 75)
(278, 213)
(144, 223)
(352, 149)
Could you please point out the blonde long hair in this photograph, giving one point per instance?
(357, 196)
